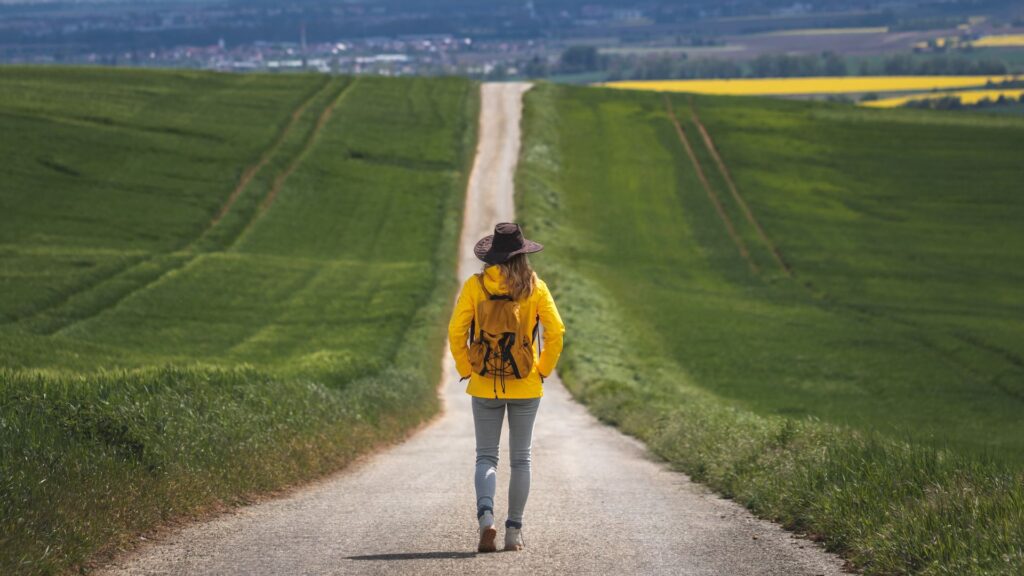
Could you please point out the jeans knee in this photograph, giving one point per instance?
(520, 459)
(487, 459)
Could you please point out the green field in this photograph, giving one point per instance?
(837, 344)
(218, 285)
(213, 285)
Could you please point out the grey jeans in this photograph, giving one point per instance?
(488, 414)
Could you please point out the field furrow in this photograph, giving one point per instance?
(310, 141)
(103, 291)
(710, 144)
(93, 301)
(250, 171)
(876, 400)
(202, 365)
(730, 228)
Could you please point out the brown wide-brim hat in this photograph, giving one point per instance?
(506, 242)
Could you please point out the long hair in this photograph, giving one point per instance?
(519, 277)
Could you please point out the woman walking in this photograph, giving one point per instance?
(493, 337)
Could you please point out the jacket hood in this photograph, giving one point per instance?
(494, 280)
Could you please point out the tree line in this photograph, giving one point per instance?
(955, 103)
(590, 60)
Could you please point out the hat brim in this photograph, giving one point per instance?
(483, 251)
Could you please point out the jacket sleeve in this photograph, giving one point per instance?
(458, 330)
(554, 330)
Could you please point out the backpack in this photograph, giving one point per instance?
(504, 347)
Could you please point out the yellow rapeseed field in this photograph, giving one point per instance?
(965, 96)
(1004, 41)
(810, 85)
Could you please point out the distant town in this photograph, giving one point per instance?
(566, 40)
(407, 55)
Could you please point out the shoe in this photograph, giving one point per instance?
(514, 539)
(488, 535)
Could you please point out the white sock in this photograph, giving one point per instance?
(486, 519)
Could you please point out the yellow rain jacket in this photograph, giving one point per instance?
(539, 303)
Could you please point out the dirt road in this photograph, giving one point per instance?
(599, 504)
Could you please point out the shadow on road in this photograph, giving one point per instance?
(415, 556)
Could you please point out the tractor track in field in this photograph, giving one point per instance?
(599, 504)
(716, 201)
(250, 172)
(862, 313)
(321, 121)
(244, 180)
(747, 212)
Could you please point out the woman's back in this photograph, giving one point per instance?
(537, 307)
(508, 289)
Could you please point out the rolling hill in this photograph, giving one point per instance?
(213, 286)
(811, 307)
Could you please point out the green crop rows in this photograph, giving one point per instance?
(213, 285)
(216, 285)
(837, 345)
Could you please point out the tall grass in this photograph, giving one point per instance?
(736, 378)
(250, 365)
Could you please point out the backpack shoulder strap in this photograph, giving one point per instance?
(480, 277)
(472, 323)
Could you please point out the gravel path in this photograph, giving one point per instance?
(599, 503)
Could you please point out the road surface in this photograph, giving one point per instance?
(600, 504)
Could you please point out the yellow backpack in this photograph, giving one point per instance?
(504, 345)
